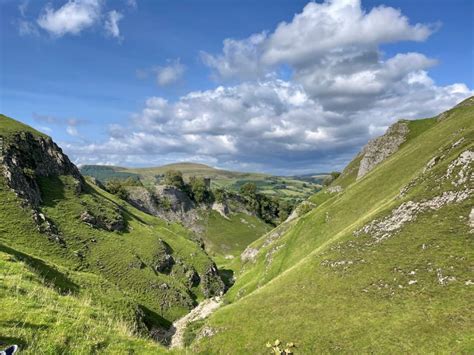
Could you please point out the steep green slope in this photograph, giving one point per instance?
(48, 213)
(383, 266)
(44, 312)
(226, 238)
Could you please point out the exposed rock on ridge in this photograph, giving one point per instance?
(26, 157)
(379, 149)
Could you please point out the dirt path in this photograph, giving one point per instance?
(204, 309)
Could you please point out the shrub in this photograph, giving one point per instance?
(248, 189)
(165, 203)
(117, 187)
(174, 178)
(220, 195)
(198, 189)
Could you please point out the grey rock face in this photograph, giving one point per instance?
(384, 228)
(46, 226)
(115, 224)
(27, 157)
(335, 189)
(249, 254)
(172, 204)
(163, 260)
(166, 202)
(379, 149)
(221, 208)
(211, 283)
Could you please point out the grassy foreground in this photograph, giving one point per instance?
(47, 315)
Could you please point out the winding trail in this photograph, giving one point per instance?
(203, 310)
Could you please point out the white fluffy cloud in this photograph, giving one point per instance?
(111, 23)
(335, 26)
(342, 92)
(238, 59)
(272, 125)
(169, 74)
(71, 18)
(321, 32)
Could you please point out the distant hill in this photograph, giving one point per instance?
(287, 187)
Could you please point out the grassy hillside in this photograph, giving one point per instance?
(45, 312)
(226, 238)
(102, 249)
(402, 284)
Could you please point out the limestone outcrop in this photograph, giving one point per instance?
(380, 148)
(26, 156)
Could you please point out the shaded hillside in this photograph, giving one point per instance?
(382, 263)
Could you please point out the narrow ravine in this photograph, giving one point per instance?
(203, 310)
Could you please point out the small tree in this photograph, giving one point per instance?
(284, 210)
(132, 181)
(220, 195)
(331, 177)
(174, 178)
(249, 189)
(199, 191)
(117, 187)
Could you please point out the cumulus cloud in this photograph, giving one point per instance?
(335, 26)
(169, 74)
(71, 18)
(111, 23)
(239, 58)
(272, 125)
(342, 92)
(320, 33)
(333, 50)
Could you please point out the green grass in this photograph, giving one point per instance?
(116, 255)
(229, 237)
(41, 319)
(313, 282)
(9, 126)
(113, 269)
(292, 292)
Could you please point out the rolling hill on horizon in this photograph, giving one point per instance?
(295, 188)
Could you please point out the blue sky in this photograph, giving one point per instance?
(136, 82)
